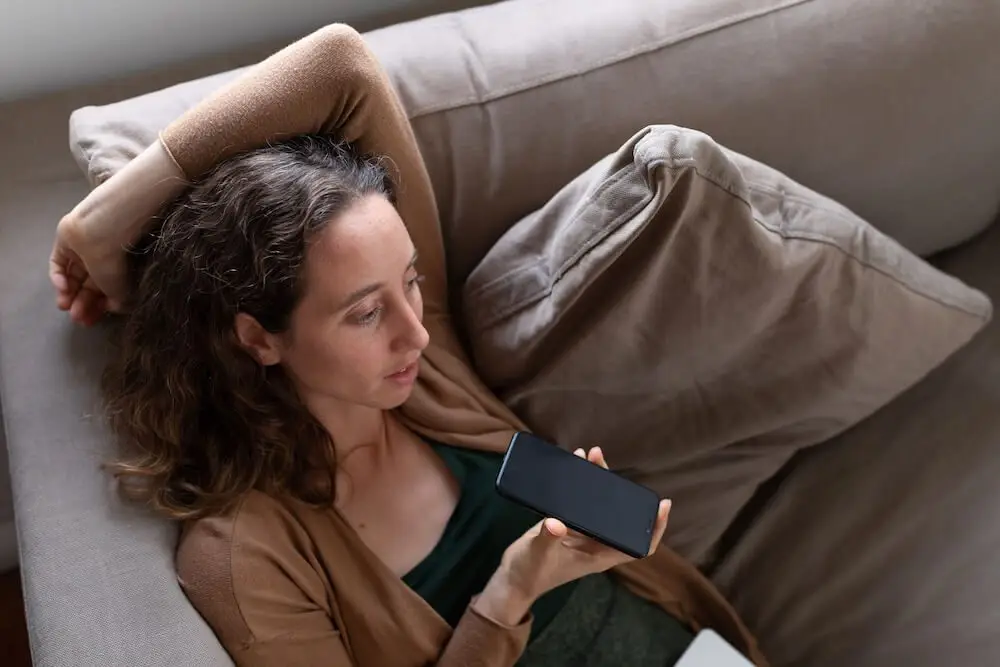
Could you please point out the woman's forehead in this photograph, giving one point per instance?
(366, 243)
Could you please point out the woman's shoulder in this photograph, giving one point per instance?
(224, 562)
(256, 518)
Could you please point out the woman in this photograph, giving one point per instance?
(290, 385)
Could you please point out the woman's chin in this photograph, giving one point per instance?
(394, 397)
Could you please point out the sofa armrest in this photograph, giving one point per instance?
(99, 580)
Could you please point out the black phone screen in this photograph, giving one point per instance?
(587, 498)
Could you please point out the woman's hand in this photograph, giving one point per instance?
(88, 279)
(549, 555)
(87, 264)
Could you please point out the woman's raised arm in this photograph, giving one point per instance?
(328, 82)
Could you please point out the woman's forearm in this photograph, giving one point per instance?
(493, 632)
(328, 82)
(502, 602)
(120, 208)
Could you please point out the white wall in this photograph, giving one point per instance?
(52, 44)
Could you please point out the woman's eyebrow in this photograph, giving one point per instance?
(359, 294)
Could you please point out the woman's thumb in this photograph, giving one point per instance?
(553, 529)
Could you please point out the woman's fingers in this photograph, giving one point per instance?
(87, 307)
(662, 518)
(596, 456)
(75, 291)
(554, 528)
(63, 276)
(57, 274)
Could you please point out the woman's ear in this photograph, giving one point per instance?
(255, 339)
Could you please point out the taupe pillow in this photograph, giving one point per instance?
(703, 317)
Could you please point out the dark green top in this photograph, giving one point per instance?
(482, 526)
(590, 622)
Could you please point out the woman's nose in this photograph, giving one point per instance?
(413, 334)
(420, 336)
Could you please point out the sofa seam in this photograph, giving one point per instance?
(815, 238)
(604, 185)
(86, 153)
(617, 58)
(980, 317)
(567, 265)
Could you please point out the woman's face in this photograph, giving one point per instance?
(356, 336)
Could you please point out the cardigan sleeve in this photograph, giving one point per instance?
(329, 82)
(254, 579)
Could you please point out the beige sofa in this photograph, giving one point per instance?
(874, 549)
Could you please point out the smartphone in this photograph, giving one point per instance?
(587, 498)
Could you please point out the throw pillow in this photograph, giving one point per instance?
(703, 317)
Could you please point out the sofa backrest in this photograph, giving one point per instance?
(888, 106)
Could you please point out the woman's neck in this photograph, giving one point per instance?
(352, 427)
(362, 442)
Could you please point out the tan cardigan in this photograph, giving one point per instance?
(285, 585)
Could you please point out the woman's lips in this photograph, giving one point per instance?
(406, 375)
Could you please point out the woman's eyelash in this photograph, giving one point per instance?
(370, 317)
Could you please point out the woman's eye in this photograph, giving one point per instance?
(414, 281)
(369, 318)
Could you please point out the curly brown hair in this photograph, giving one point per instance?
(199, 421)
